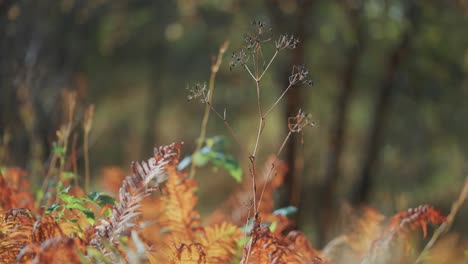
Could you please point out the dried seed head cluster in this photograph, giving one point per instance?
(260, 34)
(238, 58)
(297, 123)
(286, 42)
(253, 40)
(198, 91)
(299, 75)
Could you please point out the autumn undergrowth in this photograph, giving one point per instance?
(148, 215)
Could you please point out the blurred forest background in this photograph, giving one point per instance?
(389, 97)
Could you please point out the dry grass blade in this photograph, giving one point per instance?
(87, 123)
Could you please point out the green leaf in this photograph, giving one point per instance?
(52, 208)
(69, 175)
(202, 157)
(76, 206)
(89, 216)
(273, 226)
(39, 195)
(234, 169)
(58, 150)
(94, 196)
(243, 241)
(214, 152)
(66, 197)
(184, 163)
(101, 199)
(286, 211)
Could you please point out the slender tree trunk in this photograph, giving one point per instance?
(329, 205)
(362, 191)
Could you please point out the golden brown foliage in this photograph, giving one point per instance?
(184, 238)
(165, 227)
(16, 227)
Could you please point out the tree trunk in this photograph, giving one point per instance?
(329, 210)
(363, 188)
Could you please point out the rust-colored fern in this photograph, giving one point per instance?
(388, 246)
(14, 190)
(267, 247)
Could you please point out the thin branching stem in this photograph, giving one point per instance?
(261, 120)
(273, 166)
(250, 72)
(229, 127)
(278, 100)
(249, 244)
(268, 65)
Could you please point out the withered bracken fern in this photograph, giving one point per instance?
(145, 178)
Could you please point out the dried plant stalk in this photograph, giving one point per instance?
(87, 123)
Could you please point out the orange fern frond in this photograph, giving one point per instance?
(183, 239)
(46, 228)
(180, 218)
(300, 245)
(267, 247)
(220, 242)
(189, 253)
(15, 233)
(387, 248)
